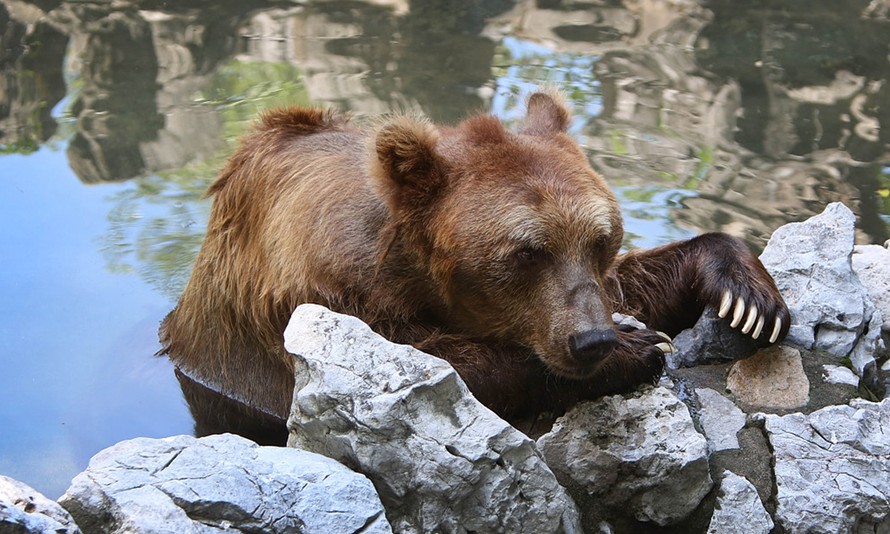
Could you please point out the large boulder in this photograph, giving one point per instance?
(832, 468)
(440, 460)
(635, 455)
(189, 485)
(24, 510)
(830, 309)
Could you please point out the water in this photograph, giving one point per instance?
(113, 121)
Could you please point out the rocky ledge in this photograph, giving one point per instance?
(383, 438)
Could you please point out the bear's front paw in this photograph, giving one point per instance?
(641, 354)
(756, 314)
(733, 280)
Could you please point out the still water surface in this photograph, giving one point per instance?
(737, 117)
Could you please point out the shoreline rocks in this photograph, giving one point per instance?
(222, 482)
(636, 455)
(831, 310)
(844, 448)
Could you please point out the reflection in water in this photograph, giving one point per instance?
(764, 114)
(115, 108)
(31, 81)
(703, 115)
(157, 225)
(814, 91)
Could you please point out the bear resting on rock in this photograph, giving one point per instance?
(495, 250)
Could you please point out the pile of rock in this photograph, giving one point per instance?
(385, 438)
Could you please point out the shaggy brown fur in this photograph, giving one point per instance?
(495, 250)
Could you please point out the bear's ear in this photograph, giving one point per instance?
(407, 168)
(547, 114)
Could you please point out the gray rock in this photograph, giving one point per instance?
(627, 320)
(720, 419)
(440, 460)
(872, 265)
(871, 345)
(772, 378)
(637, 454)
(832, 468)
(830, 309)
(710, 340)
(739, 509)
(835, 374)
(188, 485)
(25, 510)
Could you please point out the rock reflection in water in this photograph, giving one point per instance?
(31, 81)
(763, 113)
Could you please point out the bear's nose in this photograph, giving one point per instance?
(592, 345)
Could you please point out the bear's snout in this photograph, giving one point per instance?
(592, 345)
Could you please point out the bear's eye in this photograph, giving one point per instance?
(600, 243)
(599, 250)
(529, 255)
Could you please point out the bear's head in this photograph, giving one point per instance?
(517, 232)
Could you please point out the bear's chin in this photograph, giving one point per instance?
(575, 371)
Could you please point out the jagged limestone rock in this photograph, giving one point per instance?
(830, 308)
(739, 509)
(440, 460)
(184, 485)
(720, 419)
(872, 266)
(636, 454)
(832, 468)
(24, 510)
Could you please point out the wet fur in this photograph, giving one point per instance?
(374, 222)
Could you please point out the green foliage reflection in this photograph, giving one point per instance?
(158, 221)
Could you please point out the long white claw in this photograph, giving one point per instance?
(666, 348)
(725, 303)
(758, 328)
(737, 312)
(776, 330)
(749, 321)
(665, 336)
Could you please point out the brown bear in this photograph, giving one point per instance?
(492, 249)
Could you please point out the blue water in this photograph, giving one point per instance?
(76, 341)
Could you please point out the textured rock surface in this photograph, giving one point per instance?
(440, 460)
(872, 264)
(833, 468)
(711, 340)
(835, 374)
(772, 378)
(184, 484)
(637, 454)
(720, 419)
(830, 308)
(627, 320)
(739, 510)
(25, 510)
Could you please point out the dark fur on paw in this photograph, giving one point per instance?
(737, 285)
(638, 359)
